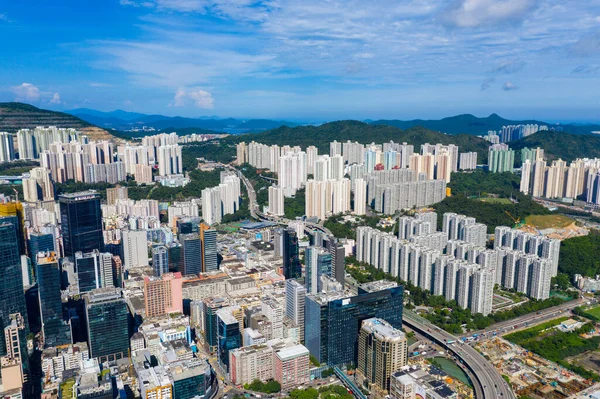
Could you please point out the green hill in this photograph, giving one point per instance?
(561, 145)
(470, 124)
(321, 136)
(15, 116)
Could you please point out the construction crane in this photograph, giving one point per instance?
(518, 222)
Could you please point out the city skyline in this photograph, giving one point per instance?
(306, 61)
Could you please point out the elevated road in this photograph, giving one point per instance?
(487, 382)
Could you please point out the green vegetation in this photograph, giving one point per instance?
(592, 313)
(326, 392)
(266, 387)
(579, 255)
(314, 361)
(327, 373)
(481, 183)
(66, 388)
(556, 345)
(446, 314)
(15, 116)
(295, 206)
(506, 378)
(490, 214)
(261, 186)
(17, 168)
(561, 145)
(339, 228)
(213, 150)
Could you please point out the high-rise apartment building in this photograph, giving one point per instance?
(38, 186)
(276, 201)
(382, 350)
(360, 197)
(135, 248)
(7, 147)
(501, 158)
(56, 331)
(170, 161)
(115, 194)
(107, 324)
(81, 222)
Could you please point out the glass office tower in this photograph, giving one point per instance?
(192, 253)
(208, 237)
(291, 255)
(332, 321)
(160, 260)
(40, 242)
(107, 324)
(12, 298)
(228, 336)
(81, 222)
(56, 331)
(318, 263)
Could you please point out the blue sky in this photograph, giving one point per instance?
(306, 59)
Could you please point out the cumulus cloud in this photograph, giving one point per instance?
(200, 98)
(476, 13)
(55, 99)
(26, 92)
(487, 83)
(509, 86)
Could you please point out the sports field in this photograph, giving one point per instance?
(493, 200)
(548, 221)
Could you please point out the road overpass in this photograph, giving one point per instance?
(487, 382)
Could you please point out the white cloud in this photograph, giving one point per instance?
(3, 17)
(509, 86)
(100, 84)
(26, 92)
(55, 99)
(200, 98)
(475, 13)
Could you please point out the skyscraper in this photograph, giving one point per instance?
(107, 324)
(94, 270)
(382, 350)
(39, 242)
(291, 259)
(295, 296)
(81, 222)
(12, 212)
(208, 239)
(56, 331)
(332, 321)
(160, 260)
(228, 335)
(318, 263)
(192, 253)
(12, 299)
(135, 248)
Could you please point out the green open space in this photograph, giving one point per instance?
(549, 221)
(495, 200)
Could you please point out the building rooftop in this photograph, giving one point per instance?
(80, 196)
(383, 330)
(379, 285)
(292, 351)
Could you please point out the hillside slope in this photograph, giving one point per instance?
(561, 145)
(470, 124)
(15, 116)
(321, 136)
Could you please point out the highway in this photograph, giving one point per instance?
(487, 382)
(530, 319)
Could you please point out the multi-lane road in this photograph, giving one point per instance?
(487, 382)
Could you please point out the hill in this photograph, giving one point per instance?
(470, 124)
(123, 120)
(321, 136)
(561, 145)
(15, 116)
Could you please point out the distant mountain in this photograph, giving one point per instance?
(561, 145)
(126, 121)
(470, 124)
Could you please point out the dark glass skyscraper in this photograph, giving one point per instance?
(107, 324)
(39, 242)
(208, 237)
(332, 321)
(317, 264)
(192, 254)
(12, 297)
(291, 257)
(160, 260)
(56, 331)
(228, 336)
(81, 222)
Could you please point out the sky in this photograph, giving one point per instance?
(306, 59)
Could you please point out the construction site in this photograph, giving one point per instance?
(530, 375)
(552, 226)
